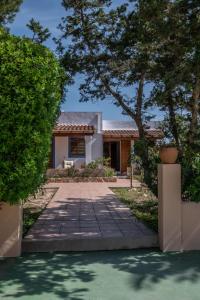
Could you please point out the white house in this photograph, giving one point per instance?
(82, 137)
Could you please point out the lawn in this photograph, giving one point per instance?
(112, 275)
(142, 202)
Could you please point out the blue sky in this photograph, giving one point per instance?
(49, 13)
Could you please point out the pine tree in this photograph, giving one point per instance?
(40, 34)
(8, 10)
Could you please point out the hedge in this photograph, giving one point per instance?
(31, 88)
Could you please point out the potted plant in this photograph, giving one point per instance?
(168, 153)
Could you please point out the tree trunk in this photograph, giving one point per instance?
(136, 115)
(141, 129)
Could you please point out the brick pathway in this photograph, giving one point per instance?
(87, 216)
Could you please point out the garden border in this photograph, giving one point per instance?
(80, 179)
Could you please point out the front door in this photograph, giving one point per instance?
(125, 154)
(112, 150)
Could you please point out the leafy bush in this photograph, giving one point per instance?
(150, 173)
(191, 177)
(108, 172)
(88, 172)
(104, 171)
(137, 163)
(98, 168)
(72, 172)
(93, 169)
(31, 87)
(61, 173)
(99, 163)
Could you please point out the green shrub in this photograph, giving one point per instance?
(92, 165)
(72, 172)
(98, 172)
(108, 172)
(149, 175)
(31, 87)
(98, 168)
(191, 177)
(99, 163)
(88, 172)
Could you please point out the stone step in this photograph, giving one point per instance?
(88, 244)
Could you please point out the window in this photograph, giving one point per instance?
(76, 147)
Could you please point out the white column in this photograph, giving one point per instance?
(169, 207)
(88, 149)
(61, 144)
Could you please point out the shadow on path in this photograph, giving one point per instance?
(74, 276)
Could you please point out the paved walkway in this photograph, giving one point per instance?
(87, 216)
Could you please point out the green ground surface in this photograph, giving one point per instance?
(142, 202)
(116, 275)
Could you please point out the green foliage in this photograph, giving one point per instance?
(34, 207)
(31, 87)
(99, 163)
(40, 34)
(191, 177)
(131, 158)
(99, 168)
(150, 176)
(142, 203)
(104, 44)
(108, 172)
(8, 9)
(152, 172)
(152, 43)
(92, 172)
(72, 172)
(98, 171)
(61, 173)
(29, 219)
(176, 89)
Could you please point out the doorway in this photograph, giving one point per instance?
(112, 150)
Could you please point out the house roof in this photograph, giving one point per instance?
(78, 118)
(152, 133)
(128, 129)
(88, 123)
(126, 125)
(82, 129)
(76, 123)
(118, 125)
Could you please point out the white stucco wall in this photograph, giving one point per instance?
(93, 147)
(97, 146)
(60, 151)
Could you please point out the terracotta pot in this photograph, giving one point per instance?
(168, 155)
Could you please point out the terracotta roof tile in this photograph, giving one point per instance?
(89, 129)
(73, 128)
(154, 133)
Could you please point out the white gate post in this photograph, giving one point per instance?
(169, 207)
(10, 230)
